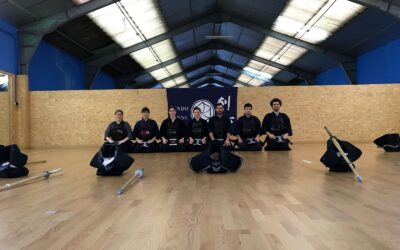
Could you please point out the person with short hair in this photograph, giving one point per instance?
(172, 133)
(220, 127)
(197, 131)
(145, 133)
(248, 130)
(277, 127)
(119, 132)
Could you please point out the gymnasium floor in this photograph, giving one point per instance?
(278, 200)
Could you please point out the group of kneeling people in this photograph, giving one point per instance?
(175, 136)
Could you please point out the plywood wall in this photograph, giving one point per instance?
(355, 113)
(351, 112)
(68, 118)
(4, 119)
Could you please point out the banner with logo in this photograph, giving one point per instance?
(186, 99)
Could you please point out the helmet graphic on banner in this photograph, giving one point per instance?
(206, 107)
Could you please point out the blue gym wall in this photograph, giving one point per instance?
(332, 76)
(54, 69)
(380, 65)
(8, 47)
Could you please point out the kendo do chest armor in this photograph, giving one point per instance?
(144, 133)
(171, 131)
(197, 129)
(277, 125)
(219, 129)
(249, 128)
(118, 131)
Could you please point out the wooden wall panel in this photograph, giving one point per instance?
(355, 113)
(69, 118)
(352, 112)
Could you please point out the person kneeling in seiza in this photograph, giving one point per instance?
(172, 133)
(110, 160)
(215, 159)
(12, 162)
(219, 128)
(119, 132)
(197, 132)
(277, 127)
(248, 130)
(145, 133)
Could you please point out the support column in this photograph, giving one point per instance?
(20, 112)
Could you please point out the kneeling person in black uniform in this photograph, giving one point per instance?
(145, 133)
(172, 133)
(277, 127)
(197, 132)
(220, 127)
(119, 132)
(248, 130)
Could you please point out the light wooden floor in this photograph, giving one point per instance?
(278, 200)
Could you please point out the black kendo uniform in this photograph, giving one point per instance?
(118, 132)
(173, 132)
(12, 162)
(277, 125)
(248, 128)
(197, 130)
(145, 131)
(219, 126)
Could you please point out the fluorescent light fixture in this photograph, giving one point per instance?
(219, 37)
(258, 74)
(79, 2)
(213, 74)
(202, 86)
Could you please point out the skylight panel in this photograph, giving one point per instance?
(238, 85)
(143, 15)
(130, 22)
(315, 20)
(278, 51)
(174, 82)
(255, 82)
(163, 50)
(263, 67)
(244, 78)
(162, 73)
